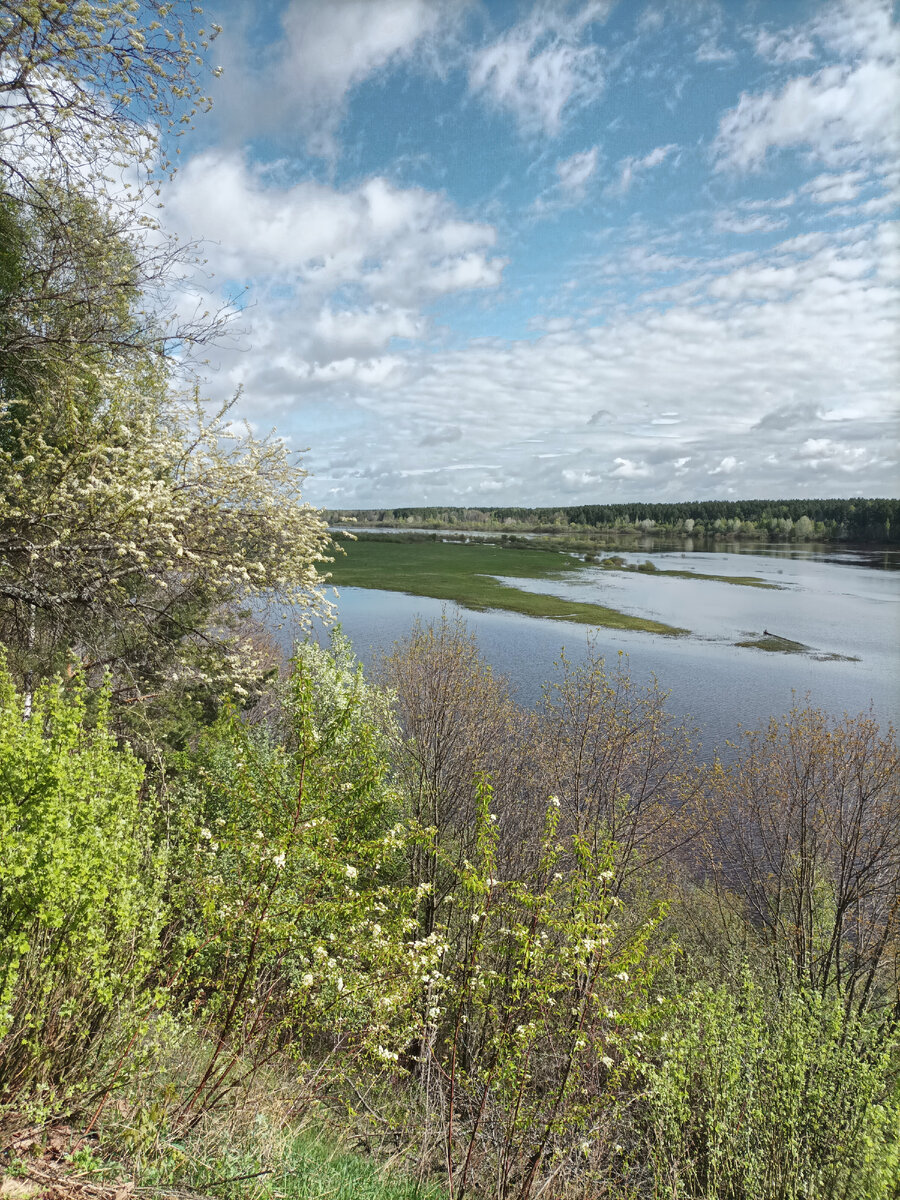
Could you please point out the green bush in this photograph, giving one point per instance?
(782, 1101)
(80, 892)
(294, 933)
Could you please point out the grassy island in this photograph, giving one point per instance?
(467, 575)
(775, 644)
(615, 562)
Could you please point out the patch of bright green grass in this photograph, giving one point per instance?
(463, 573)
(318, 1170)
(300, 1166)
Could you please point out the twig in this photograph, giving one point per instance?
(235, 1178)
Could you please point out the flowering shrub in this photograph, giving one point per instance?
(133, 525)
(539, 1003)
(296, 932)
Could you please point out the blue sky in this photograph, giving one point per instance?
(546, 253)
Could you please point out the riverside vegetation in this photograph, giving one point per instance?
(278, 930)
(504, 953)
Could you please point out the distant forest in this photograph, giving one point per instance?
(858, 520)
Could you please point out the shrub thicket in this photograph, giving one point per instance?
(323, 917)
(81, 903)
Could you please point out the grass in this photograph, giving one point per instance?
(617, 563)
(775, 645)
(739, 580)
(305, 1167)
(463, 573)
(302, 1166)
(781, 645)
(345, 1176)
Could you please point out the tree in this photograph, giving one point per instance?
(92, 95)
(134, 520)
(90, 86)
(458, 722)
(132, 526)
(620, 764)
(802, 837)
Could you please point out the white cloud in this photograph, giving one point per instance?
(787, 46)
(403, 245)
(365, 331)
(335, 275)
(860, 29)
(631, 168)
(823, 452)
(324, 50)
(573, 175)
(726, 466)
(726, 222)
(840, 114)
(711, 52)
(626, 469)
(803, 334)
(541, 69)
(575, 172)
(835, 189)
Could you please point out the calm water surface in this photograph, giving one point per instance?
(833, 601)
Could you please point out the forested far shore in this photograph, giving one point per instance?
(870, 522)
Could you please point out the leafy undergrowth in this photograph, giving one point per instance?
(256, 1163)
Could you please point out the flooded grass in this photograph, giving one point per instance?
(781, 645)
(464, 574)
(776, 645)
(617, 563)
(739, 580)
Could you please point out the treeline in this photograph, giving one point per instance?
(872, 522)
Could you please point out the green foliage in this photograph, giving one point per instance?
(354, 918)
(80, 903)
(69, 300)
(293, 926)
(778, 1100)
(540, 1001)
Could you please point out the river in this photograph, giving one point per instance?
(834, 601)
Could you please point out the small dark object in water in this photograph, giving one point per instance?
(767, 634)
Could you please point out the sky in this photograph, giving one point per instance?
(495, 253)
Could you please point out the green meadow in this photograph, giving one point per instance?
(465, 573)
